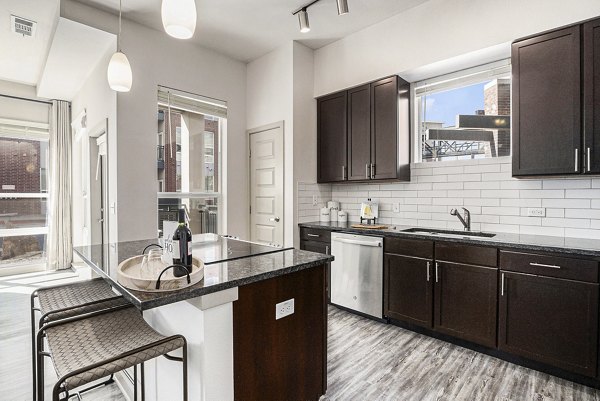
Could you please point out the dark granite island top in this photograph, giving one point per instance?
(574, 246)
(228, 263)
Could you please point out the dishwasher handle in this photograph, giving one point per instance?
(376, 244)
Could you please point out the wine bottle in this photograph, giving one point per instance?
(182, 247)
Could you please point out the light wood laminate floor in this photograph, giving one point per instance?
(367, 360)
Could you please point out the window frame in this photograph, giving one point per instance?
(453, 80)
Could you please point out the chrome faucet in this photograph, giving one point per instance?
(466, 221)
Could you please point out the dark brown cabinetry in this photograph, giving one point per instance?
(552, 73)
(315, 240)
(408, 292)
(548, 310)
(376, 133)
(591, 92)
(331, 138)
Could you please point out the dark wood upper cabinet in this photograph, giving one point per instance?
(359, 133)
(466, 301)
(546, 92)
(376, 145)
(331, 138)
(408, 292)
(550, 320)
(591, 95)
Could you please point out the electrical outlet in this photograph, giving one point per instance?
(536, 211)
(314, 200)
(284, 309)
(396, 207)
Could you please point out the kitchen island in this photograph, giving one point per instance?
(237, 348)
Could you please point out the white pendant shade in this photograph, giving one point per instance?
(119, 73)
(179, 18)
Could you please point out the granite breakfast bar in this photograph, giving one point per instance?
(236, 346)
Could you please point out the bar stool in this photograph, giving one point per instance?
(90, 347)
(68, 300)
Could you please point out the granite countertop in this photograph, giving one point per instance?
(566, 245)
(222, 269)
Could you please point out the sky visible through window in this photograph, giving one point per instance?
(445, 106)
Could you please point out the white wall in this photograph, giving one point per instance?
(269, 99)
(437, 30)
(280, 86)
(15, 109)
(157, 59)
(100, 103)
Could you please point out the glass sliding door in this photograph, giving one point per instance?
(23, 196)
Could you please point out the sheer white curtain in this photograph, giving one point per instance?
(60, 245)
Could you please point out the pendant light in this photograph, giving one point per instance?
(119, 72)
(179, 18)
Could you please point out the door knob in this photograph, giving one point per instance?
(275, 219)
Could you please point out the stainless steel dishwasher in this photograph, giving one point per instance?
(357, 273)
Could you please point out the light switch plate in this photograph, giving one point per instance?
(284, 309)
(396, 207)
(536, 212)
(314, 200)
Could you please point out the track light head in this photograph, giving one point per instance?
(342, 6)
(303, 20)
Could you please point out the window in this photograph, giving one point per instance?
(190, 128)
(23, 193)
(464, 115)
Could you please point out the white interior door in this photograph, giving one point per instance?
(266, 184)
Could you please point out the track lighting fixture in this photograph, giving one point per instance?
(302, 13)
(342, 7)
(303, 20)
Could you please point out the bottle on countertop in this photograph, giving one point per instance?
(182, 247)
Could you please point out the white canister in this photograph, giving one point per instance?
(334, 206)
(324, 216)
(342, 216)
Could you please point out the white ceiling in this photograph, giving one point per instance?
(248, 29)
(22, 59)
(75, 50)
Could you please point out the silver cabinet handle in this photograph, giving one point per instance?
(544, 265)
(327, 249)
(589, 163)
(343, 172)
(502, 285)
(367, 172)
(275, 219)
(313, 235)
(372, 171)
(436, 272)
(576, 160)
(428, 275)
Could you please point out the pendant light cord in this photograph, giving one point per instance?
(119, 35)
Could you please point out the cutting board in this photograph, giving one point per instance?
(369, 226)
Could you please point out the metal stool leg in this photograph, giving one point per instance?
(40, 368)
(143, 382)
(185, 378)
(135, 383)
(33, 347)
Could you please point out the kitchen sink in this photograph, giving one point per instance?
(454, 233)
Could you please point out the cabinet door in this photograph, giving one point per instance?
(408, 289)
(465, 302)
(331, 138)
(384, 128)
(320, 247)
(591, 93)
(546, 104)
(550, 320)
(359, 133)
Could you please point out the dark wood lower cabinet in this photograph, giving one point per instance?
(320, 247)
(466, 302)
(550, 320)
(408, 294)
(281, 359)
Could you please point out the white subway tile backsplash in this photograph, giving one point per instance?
(497, 201)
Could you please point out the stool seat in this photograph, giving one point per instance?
(77, 299)
(104, 344)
